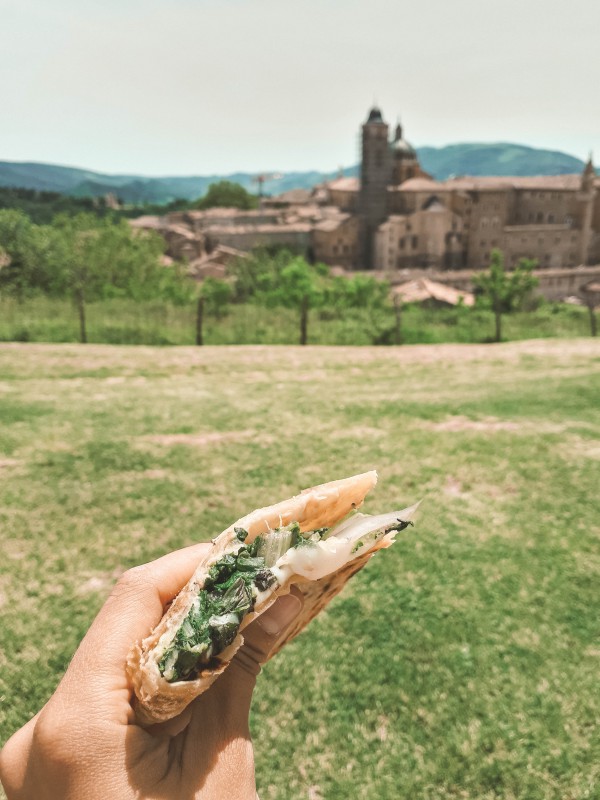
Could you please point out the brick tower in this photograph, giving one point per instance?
(375, 174)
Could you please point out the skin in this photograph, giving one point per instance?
(85, 741)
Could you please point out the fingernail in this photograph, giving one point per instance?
(281, 613)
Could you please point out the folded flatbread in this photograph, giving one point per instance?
(315, 540)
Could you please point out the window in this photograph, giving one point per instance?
(550, 219)
(401, 243)
(540, 217)
(415, 242)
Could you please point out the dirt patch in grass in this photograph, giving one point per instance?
(465, 424)
(6, 463)
(197, 439)
(457, 424)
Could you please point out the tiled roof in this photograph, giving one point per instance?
(421, 289)
(291, 196)
(298, 227)
(344, 184)
(147, 221)
(490, 183)
(332, 221)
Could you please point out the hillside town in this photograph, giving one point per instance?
(397, 221)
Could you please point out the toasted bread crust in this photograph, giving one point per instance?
(156, 699)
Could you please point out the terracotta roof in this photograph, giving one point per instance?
(332, 223)
(180, 230)
(422, 289)
(228, 212)
(147, 221)
(490, 183)
(292, 196)
(344, 184)
(298, 227)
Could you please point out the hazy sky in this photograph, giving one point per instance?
(200, 86)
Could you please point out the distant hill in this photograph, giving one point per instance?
(441, 162)
(495, 159)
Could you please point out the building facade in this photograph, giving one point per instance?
(407, 220)
(395, 218)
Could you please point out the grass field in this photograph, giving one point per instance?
(462, 663)
(118, 321)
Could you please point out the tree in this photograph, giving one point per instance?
(94, 259)
(358, 291)
(227, 194)
(213, 297)
(295, 284)
(25, 249)
(505, 291)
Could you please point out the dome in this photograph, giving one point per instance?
(400, 147)
(375, 115)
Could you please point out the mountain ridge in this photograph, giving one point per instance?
(475, 158)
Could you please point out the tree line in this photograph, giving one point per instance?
(42, 206)
(89, 258)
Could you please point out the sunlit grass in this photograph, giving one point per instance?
(462, 663)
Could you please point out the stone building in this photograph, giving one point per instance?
(395, 219)
(407, 220)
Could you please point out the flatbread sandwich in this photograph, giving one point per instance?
(316, 541)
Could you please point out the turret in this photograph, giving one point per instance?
(404, 158)
(588, 176)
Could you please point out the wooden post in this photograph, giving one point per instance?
(199, 320)
(80, 300)
(498, 318)
(398, 319)
(592, 313)
(591, 296)
(304, 320)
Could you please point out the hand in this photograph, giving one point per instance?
(85, 743)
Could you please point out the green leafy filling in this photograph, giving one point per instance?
(229, 593)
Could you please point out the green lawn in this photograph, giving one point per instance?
(119, 321)
(462, 663)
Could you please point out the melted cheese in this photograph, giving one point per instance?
(347, 541)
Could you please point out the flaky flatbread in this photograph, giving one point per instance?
(318, 508)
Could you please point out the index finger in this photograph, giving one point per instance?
(133, 609)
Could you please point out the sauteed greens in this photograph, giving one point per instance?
(229, 593)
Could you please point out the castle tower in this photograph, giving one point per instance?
(404, 159)
(586, 198)
(375, 174)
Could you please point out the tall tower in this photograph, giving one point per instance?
(587, 200)
(375, 173)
